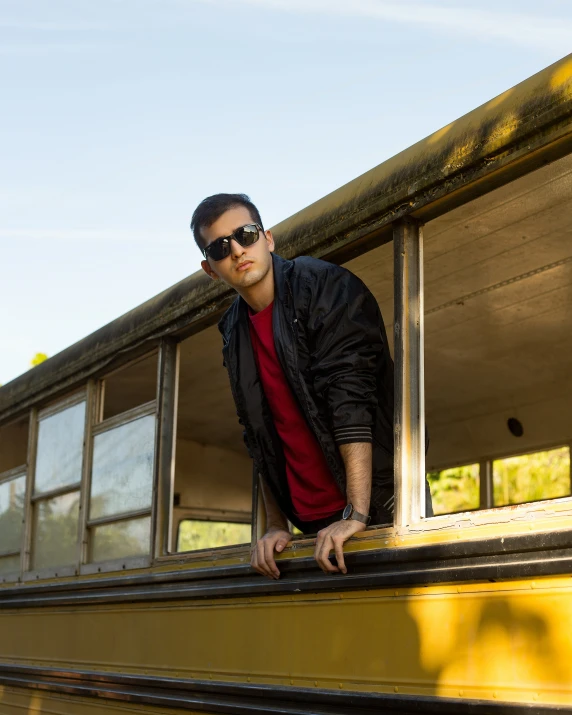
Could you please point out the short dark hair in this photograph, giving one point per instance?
(213, 207)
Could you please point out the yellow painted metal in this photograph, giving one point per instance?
(18, 701)
(509, 641)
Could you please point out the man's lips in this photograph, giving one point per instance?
(244, 265)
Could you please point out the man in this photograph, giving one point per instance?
(312, 378)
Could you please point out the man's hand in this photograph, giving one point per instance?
(333, 537)
(262, 553)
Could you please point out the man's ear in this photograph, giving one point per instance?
(269, 240)
(208, 270)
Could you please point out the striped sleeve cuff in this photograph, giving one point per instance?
(346, 435)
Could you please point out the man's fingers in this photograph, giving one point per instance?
(262, 562)
(322, 553)
(269, 545)
(339, 549)
(255, 561)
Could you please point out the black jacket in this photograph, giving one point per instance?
(331, 342)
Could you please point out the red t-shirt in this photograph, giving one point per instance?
(315, 494)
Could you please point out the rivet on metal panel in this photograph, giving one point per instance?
(248, 680)
(461, 692)
(495, 695)
(316, 683)
(291, 681)
(341, 685)
(395, 688)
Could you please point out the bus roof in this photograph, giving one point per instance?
(521, 129)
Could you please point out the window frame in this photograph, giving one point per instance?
(409, 418)
(92, 392)
(36, 416)
(100, 427)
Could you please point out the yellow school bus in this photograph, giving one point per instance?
(127, 501)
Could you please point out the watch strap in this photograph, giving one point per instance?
(360, 517)
(356, 515)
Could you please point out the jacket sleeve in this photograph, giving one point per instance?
(345, 342)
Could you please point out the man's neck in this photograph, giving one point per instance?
(260, 296)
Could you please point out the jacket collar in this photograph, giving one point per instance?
(238, 311)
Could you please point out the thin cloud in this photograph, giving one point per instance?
(47, 47)
(96, 236)
(49, 26)
(524, 29)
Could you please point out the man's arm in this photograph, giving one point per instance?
(346, 340)
(276, 537)
(358, 463)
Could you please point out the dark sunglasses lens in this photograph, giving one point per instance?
(247, 235)
(219, 249)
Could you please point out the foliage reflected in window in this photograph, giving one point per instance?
(455, 489)
(532, 477)
(121, 540)
(60, 449)
(196, 534)
(122, 472)
(55, 530)
(11, 514)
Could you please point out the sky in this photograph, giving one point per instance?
(118, 116)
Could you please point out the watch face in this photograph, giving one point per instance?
(347, 512)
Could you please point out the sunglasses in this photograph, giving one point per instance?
(245, 236)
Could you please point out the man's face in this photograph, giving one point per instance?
(244, 267)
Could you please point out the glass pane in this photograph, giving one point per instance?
(455, 489)
(122, 473)
(60, 449)
(531, 477)
(11, 513)
(117, 541)
(195, 534)
(56, 531)
(9, 564)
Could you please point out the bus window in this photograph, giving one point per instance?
(530, 477)
(213, 472)
(121, 485)
(13, 458)
(455, 489)
(498, 321)
(55, 498)
(130, 386)
(12, 489)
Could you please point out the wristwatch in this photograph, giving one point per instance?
(351, 513)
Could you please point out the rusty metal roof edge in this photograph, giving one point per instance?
(490, 130)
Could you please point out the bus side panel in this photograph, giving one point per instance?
(506, 641)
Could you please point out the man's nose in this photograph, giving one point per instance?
(236, 249)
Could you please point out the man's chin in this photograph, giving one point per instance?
(248, 278)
